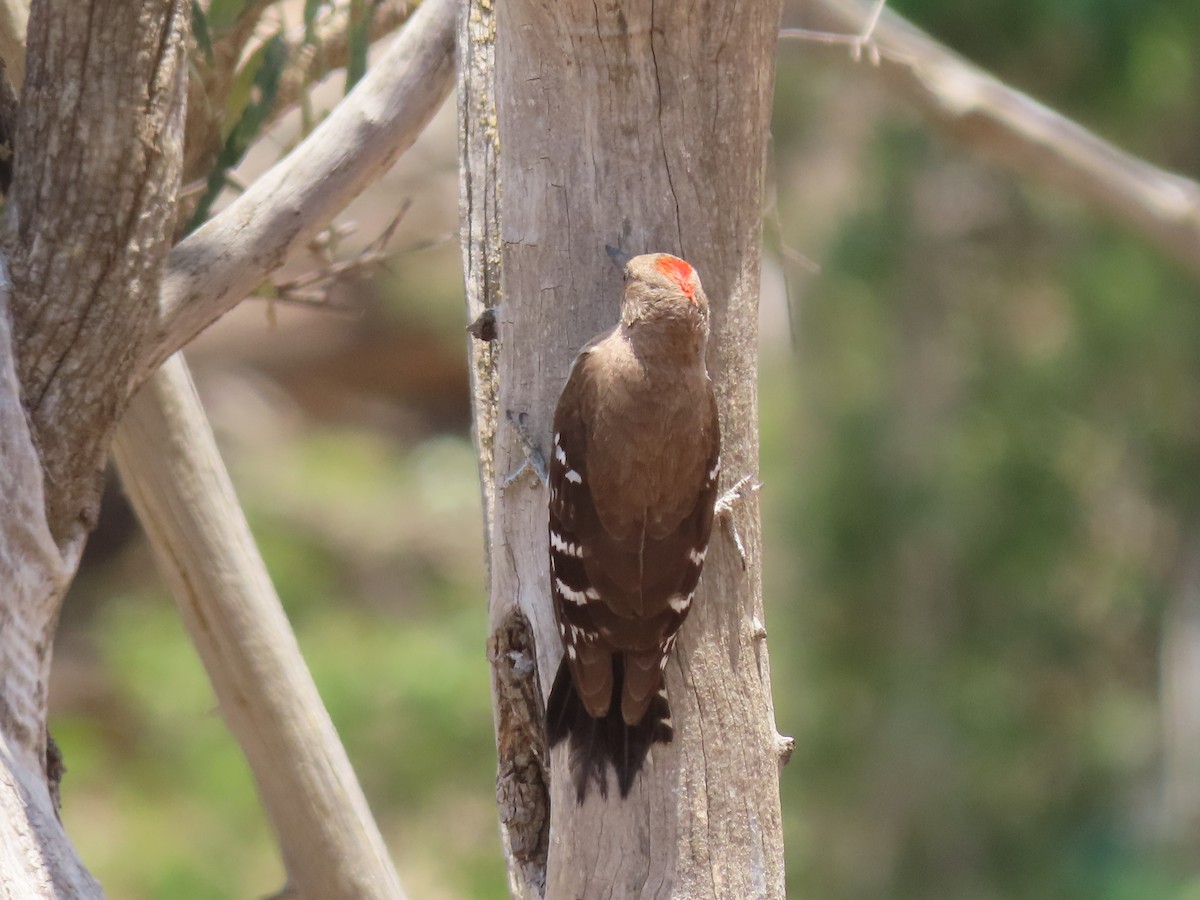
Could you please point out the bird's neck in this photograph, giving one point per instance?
(678, 342)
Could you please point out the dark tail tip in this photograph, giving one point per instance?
(597, 743)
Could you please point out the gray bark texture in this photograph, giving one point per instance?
(643, 126)
(91, 304)
(84, 241)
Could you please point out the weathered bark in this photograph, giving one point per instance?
(98, 166)
(169, 464)
(85, 237)
(644, 126)
(36, 859)
(86, 227)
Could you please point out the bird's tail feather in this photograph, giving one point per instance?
(596, 743)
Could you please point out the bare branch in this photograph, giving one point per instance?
(1027, 137)
(856, 42)
(315, 287)
(174, 476)
(218, 265)
(36, 859)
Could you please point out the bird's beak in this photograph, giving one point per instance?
(618, 256)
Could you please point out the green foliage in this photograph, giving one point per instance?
(360, 40)
(157, 788)
(989, 476)
(223, 14)
(200, 31)
(311, 9)
(248, 107)
(980, 485)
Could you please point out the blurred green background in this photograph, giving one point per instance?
(980, 448)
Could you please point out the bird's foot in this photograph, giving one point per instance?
(535, 460)
(723, 512)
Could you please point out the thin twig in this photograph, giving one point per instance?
(220, 263)
(856, 42)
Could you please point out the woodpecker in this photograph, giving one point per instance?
(633, 482)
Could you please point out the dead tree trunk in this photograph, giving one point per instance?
(640, 125)
(87, 229)
(83, 321)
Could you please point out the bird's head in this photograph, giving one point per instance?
(660, 287)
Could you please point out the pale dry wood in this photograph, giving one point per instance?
(173, 474)
(63, 282)
(32, 591)
(331, 846)
(216, 266)
(1024, 135)
(522, 779)
(1179, 685)
(643, 126)
(36, 859)
(79, 257)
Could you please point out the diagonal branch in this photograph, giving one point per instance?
(173, 472)
(219, 264)
(1023, 135)
(174, 476)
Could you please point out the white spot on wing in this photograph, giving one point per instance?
(571, 651)
(559, 454)
(715, 470)
(680, 602)
(573, 476)
(578, 597)
(697, 556)
(568, 548)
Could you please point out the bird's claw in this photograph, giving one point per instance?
(534, 460)
(723, 512)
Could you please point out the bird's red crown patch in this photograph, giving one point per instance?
(678, 270)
